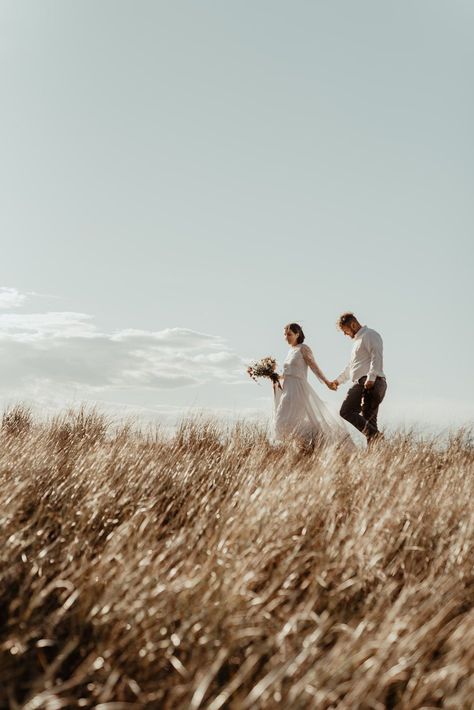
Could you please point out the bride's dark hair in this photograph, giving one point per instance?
(297, 330)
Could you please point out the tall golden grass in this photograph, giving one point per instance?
(210, 570)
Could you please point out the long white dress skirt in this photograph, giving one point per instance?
(300, 413)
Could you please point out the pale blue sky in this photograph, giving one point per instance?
(223, 168)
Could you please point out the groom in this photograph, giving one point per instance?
(365, 370)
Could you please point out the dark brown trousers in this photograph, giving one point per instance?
(361, 406)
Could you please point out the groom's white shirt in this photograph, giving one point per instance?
(366, 357)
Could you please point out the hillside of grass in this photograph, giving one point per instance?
(212, 570)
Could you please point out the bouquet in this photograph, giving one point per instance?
(265, 368)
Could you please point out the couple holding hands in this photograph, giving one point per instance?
(300, 413)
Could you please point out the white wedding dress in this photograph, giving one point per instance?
(298, 411)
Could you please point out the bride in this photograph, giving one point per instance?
(298, 411)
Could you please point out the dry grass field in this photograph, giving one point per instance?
(210, 570)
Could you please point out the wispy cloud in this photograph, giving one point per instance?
(41, 351)
(11, 298)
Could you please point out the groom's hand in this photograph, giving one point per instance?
(368, 385)
(333, 385)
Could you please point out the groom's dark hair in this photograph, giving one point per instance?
(297, 330)
(346, 318)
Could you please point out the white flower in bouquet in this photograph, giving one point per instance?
(265, 368)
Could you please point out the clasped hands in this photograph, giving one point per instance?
(334, 384)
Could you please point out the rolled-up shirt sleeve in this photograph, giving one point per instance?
(344, 376)
(374, 347)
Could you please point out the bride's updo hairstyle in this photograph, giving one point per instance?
(297, 330)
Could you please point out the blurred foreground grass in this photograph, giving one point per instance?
(210, 570)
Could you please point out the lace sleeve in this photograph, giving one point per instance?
(312, 364)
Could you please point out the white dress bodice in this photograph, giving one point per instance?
(295, 365)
